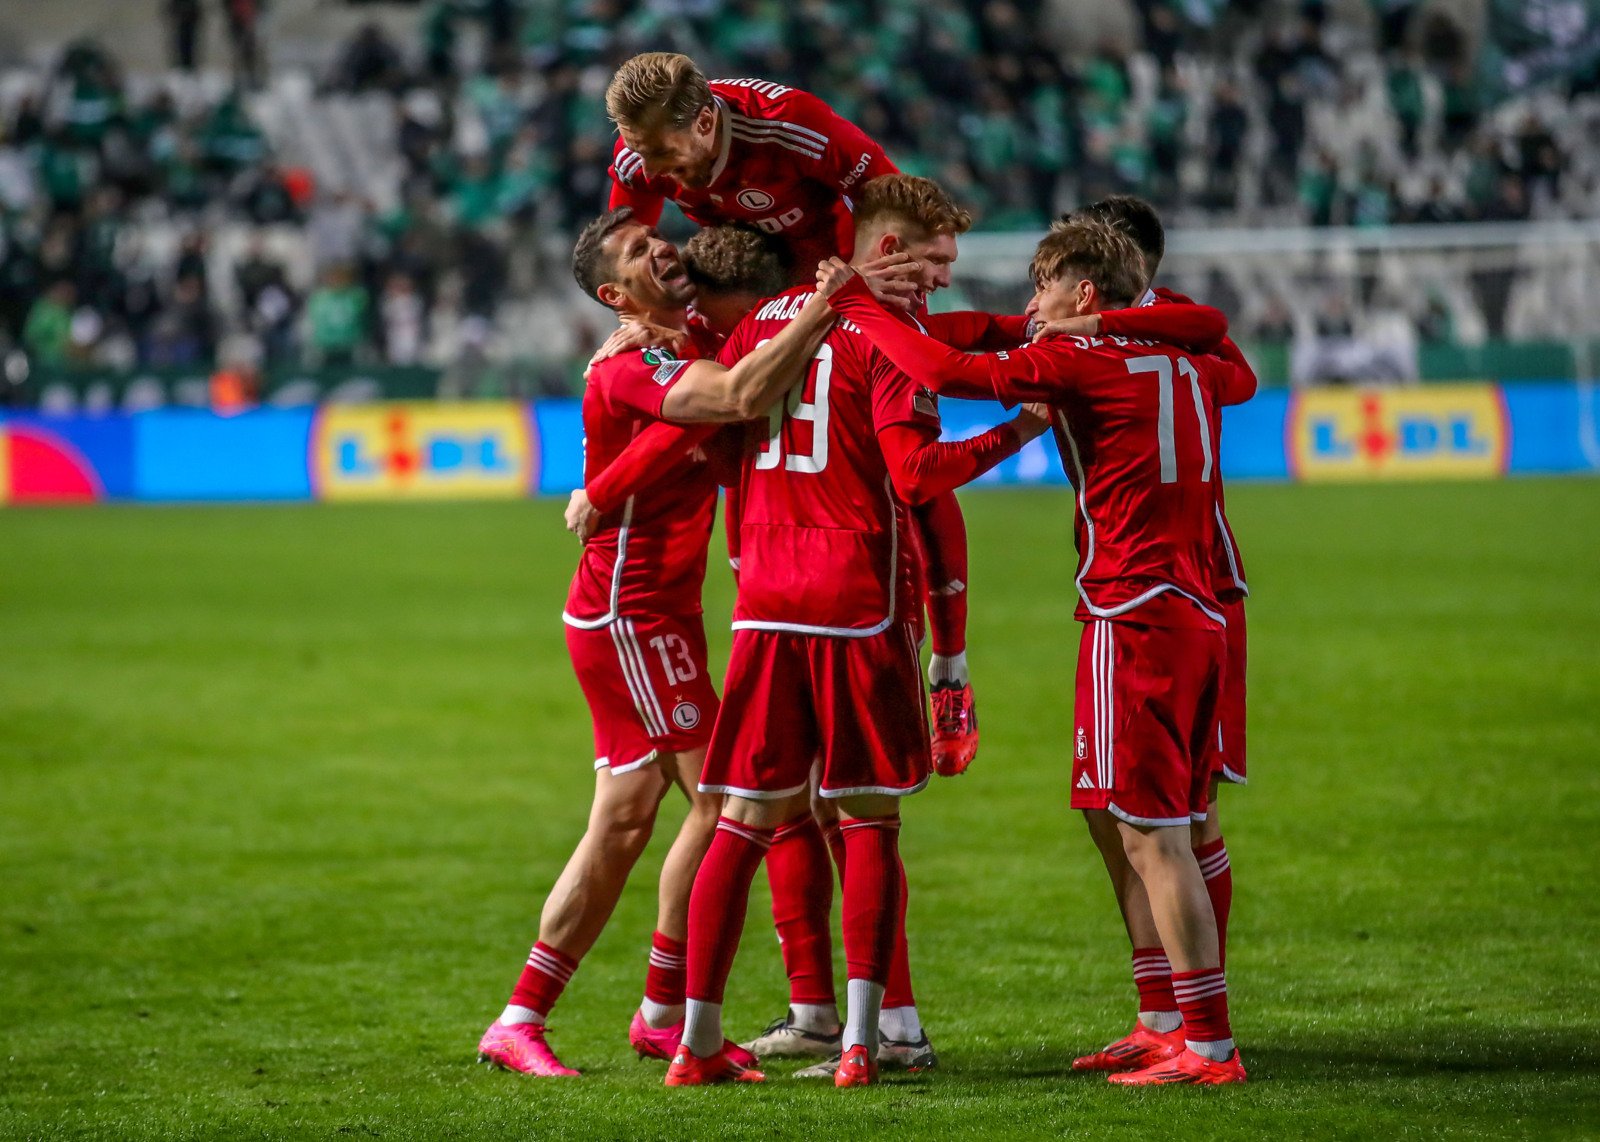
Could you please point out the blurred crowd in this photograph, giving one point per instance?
(1265, 111)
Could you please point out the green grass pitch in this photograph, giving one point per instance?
(282, 787)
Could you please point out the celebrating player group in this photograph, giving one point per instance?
(787, 356)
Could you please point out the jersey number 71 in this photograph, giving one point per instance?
(1166, 443)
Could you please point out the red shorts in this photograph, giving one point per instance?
(648, 689)
(1227, 754)
(1146, 712)
(855, 703)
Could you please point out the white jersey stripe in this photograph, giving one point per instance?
(785, 143)
(799, 135)
(616, 578)
(785, 124)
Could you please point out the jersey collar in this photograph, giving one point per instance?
(725, 130)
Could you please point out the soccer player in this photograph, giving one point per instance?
(1157, 1033)
(824, 662)
(636, 637)
(1133, 421)
(780, 159)
(895, 214)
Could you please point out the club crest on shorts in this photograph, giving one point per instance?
(686, 715)
(1083, 744)
(755, 199)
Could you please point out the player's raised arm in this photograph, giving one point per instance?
(978, 332)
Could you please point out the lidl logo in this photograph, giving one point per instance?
(422, 450)
(1431, 432)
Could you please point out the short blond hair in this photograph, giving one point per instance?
(913, 201)
(1091, 251)
(657, 89)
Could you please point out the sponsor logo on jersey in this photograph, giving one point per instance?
(686, 715)
(656, 355)
(1084, 782)
(1083, 745)
(667, 366)
(860, 169)
(753, 199)
(1431, 432)
(422, 450)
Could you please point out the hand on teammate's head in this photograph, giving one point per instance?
(1086, 326)
(893, 280)
(832, 276)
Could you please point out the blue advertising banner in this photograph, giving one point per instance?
(468, 450)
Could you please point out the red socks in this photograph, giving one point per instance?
(897, 991)
(1203, 999)
(1152, 975)
(802, 908)
(1215, 868)
(874, 889)
(544, 979)
(943, 531)
(663, 982)
(718, 903)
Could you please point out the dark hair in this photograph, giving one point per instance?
(1134, 217)
(590, 265)
(735, 258)
(1093, 251)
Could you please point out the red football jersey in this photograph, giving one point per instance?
(825, 544)
(1133, 420)
(649, 556)
(785, 163)
(1227, 565)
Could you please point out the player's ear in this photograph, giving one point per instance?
(706, 121)
(1087, 298)
(888, 244)
(609, 295)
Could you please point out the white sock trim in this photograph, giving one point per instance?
(1161, 1021)
(901, 1024)
(817, 1018)
(660, 1015)
(516, 1014)
(1217, 1050)
(863, 1004)
(948, 668)
(702, 1028)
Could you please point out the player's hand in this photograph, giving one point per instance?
(891, 280)
(832, 276)
(634, 334)
(1032, 420)
(1086, 326)
(582, 518)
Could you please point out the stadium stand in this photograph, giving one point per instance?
(399, 183)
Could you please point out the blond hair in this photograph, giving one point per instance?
(1091, 251)
(657, 89)
(919, 203)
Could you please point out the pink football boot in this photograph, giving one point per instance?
(520, 1047)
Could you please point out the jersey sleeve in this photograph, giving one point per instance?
(630, 186)
(638, 382)
(977, 332)
(1199, 328)
(1040, 372)
(644, 461)
(923, 467)
(897, 399)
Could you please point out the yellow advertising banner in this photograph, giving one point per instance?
(423, 450)
(1430, 432)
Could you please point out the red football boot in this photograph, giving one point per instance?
(1187, 1069)
(856, 1068)
(955, 728)
(1136, 1050)
(688, 1069)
